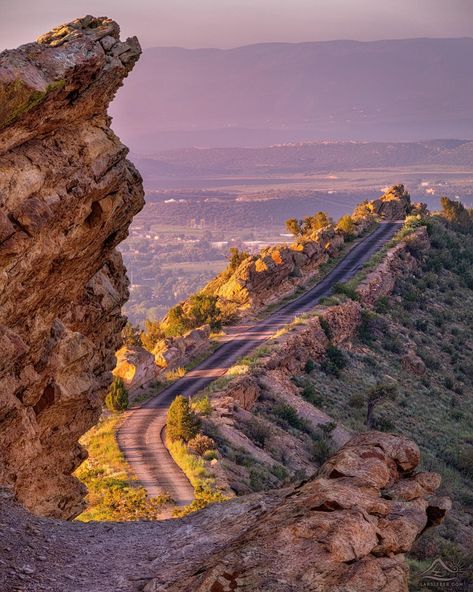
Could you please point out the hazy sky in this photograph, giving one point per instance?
(229, 23)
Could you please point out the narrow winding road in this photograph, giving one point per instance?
(141, 435)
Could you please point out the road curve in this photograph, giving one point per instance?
(140, 437)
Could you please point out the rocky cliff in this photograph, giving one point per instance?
(67, 196)
(348, 529)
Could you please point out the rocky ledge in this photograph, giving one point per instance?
(347, 529)
(67, 196)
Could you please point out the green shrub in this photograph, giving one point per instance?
(310, 394)
(177, 322)
(357, 401)
(365, 330)
(294, 226)
(210, 455)
(392, 344)
(334, 361)
(309, 366)
(321, 450)
(130, 335)
(347, 226)
(259, 478)
(236, 257)
(200, 444)
(346, 290)
(289, 415)
(279, 472)
(181, 422)
(327, 428)
(117, 396)
(151, 335)
(203, 310)
(202, 405)
(382, 305)
(257, 431)
(448, 382)
(316, 222)
(383, 424)
(325, 327)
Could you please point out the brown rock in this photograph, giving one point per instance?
(136, 367)
(245, 391)
(68, 195)
(179, 351)
(413, 363)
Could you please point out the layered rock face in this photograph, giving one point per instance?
(67, 196)
(346, 530)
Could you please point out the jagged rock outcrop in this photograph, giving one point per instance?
(174, 352)
(139, 368)
(275, 272)
(136, 367)
(394, 204)
(67, 196)
(347, 529)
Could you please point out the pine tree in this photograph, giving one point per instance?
(294, 226)
(181, 422)
(117, 396)
(151, 335)
(346, 225)
(130, 335)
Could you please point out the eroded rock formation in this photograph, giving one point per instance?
(67, 196)
(347, 529)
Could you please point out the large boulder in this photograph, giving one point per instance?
(136, 367)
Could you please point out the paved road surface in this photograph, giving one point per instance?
(141, 435)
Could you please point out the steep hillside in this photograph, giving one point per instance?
(390, 351)
(278, 92)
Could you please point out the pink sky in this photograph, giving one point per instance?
(229, 23)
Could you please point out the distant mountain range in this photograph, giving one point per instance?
(258, 95)
(303, 158)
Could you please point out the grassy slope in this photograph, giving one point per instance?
(431, 314)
